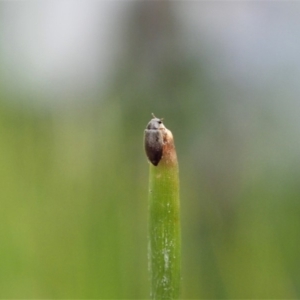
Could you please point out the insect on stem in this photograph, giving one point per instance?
(164, 214)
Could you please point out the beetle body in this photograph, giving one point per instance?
(154, 140)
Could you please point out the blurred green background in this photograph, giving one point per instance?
(78, 83)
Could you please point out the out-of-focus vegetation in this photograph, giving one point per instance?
(74, 178)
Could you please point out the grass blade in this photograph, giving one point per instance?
(164, 219)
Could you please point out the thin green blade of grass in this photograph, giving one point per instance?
(164, 220)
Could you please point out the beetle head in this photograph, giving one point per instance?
(155, 123)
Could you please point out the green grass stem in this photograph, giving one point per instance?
(164, 224)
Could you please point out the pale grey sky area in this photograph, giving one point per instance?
(59, 47)
(64, 50)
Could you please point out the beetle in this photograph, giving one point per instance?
(154, 140)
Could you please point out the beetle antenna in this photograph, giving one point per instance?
(156, 118)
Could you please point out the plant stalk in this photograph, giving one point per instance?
(164, 223)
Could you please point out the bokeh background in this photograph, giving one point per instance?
(78, 83)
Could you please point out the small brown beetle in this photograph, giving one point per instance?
(154, 140)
